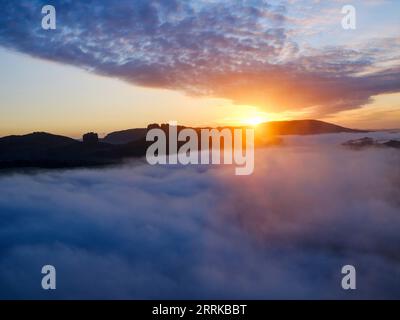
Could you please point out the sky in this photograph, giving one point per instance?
(113, 65)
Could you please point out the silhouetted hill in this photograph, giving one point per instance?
(46, 150)
(302, 127)
(125, 136)
(393, 144)
(30, 147)
(368, 142)
(35, 139)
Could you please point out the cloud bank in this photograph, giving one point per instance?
(252, 52)
(200, 232)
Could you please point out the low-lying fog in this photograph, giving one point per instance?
(140, 231)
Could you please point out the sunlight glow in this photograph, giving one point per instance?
(254, 121)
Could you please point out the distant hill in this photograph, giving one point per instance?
(303, 127)
(367, 142)
(125, 136)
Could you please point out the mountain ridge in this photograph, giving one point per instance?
(294, 127)
(46, 150)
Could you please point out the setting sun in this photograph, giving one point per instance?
(254, 121)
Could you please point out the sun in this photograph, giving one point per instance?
(254, 121)
(248, 116)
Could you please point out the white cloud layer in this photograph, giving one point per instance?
(196, 232)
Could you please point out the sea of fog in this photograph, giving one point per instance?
(163, 232)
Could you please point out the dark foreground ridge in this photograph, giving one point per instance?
(45, 150)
